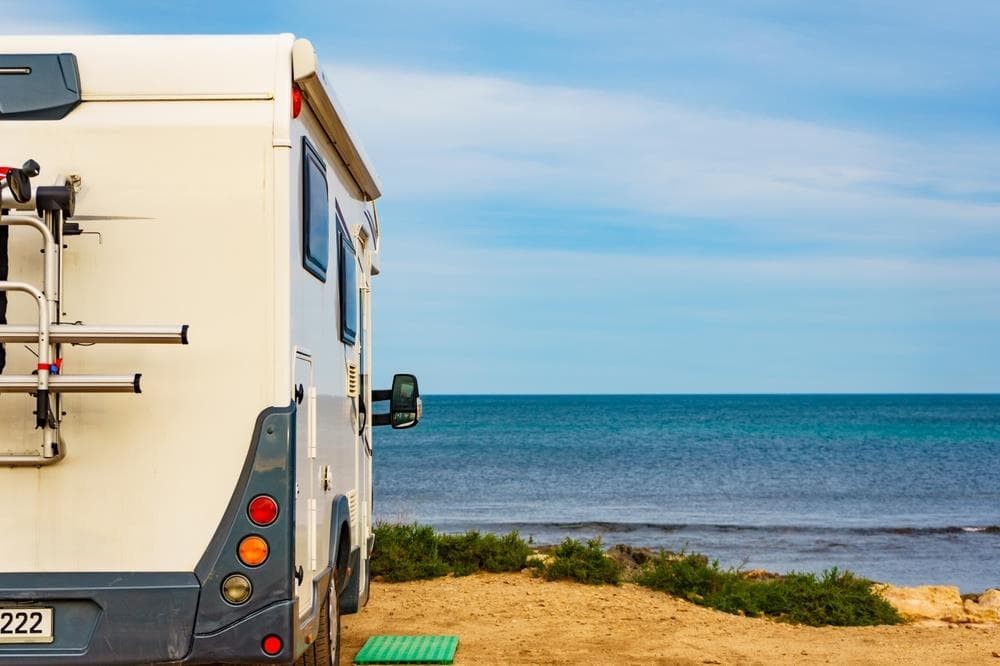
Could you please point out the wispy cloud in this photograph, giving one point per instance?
(446, 135)
(676, 323)
(47, 17)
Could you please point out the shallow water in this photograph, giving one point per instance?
(902, 489)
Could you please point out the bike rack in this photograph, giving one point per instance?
(54, 205)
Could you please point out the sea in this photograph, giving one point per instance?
(903, 489)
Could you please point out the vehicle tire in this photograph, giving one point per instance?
(327, 651)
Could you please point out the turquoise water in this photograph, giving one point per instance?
(899, 488)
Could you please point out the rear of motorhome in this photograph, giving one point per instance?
(188, 241)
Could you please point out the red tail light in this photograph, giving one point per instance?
(271, 645)
(263, 510)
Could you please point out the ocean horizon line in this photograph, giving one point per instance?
(719, 395)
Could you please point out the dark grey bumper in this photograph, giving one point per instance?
(105, 618)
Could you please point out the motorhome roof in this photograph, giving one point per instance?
(204, 67)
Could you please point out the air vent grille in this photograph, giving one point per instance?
(352, 501)
(352, 380)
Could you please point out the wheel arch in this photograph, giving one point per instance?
(340, 536)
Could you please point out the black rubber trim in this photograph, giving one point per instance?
(136, 382)
(184, 334)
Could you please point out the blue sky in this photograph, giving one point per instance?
(662, 197)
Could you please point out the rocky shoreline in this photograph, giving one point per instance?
(942, 604)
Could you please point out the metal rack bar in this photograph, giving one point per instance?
(50, 334)
(73, 384)
(87, 334)
(39, 384)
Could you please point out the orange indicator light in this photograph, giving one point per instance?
(253, 551)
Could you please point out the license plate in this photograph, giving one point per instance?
(26, 625)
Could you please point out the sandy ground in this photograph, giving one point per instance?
(517, 619)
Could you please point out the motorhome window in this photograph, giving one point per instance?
(348, 263)
(315, 213)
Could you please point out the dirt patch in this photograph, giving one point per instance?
(518, 619)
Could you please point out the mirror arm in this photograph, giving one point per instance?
(382, 394)
(380, 420)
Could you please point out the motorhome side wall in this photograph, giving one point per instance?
(339, 450)
(177, 153)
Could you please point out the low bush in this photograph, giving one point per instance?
(406, 552)
(834, 598)
(413, 552)
(471, 552)
(583, 563)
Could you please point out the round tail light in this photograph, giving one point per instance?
(253, 551)
(263, 510)
(271, 645)
(236, 589)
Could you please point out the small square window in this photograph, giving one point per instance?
(315, 213)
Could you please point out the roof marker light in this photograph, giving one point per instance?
(296, 101)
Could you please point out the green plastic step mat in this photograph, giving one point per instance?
(408, 650)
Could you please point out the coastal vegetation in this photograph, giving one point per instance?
(413, 552)
(833, 598)
(580, 562)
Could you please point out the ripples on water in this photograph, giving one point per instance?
(897, 488)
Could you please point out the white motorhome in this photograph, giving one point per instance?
(187, 244)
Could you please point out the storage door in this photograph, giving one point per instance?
(305, 491)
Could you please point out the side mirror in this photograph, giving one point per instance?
(405, 406)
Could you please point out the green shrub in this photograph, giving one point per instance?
(413, 552)
(841, 599)
(583, 563)
(690, 577)
(471, 552)
(835, 598)
(406, 552)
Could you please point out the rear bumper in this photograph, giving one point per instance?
(134, 618)
(163, 617)
(105, 618)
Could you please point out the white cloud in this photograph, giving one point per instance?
(46, 19)
(447, 135)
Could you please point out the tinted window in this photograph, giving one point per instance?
(315, 213)
(348, 263)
